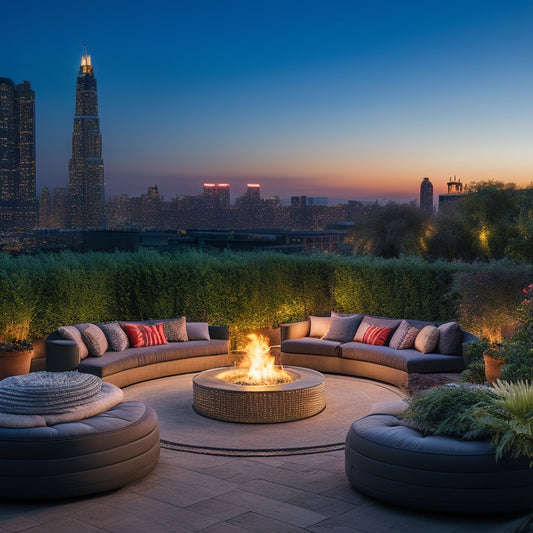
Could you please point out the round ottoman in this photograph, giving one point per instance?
(99, 453)
(397, 464)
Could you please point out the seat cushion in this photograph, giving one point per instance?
(311, 346)
(113, 362)
(409, 360)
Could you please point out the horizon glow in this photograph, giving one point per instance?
(355, 100)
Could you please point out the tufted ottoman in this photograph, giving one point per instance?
(399, 465)
(61, 455)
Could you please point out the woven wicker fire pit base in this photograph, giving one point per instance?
(302, 398)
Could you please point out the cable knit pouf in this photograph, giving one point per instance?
(66, 434)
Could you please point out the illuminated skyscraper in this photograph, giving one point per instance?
(86, 166)
(18, 204)
(426, 196)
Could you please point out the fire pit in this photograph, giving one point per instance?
(258, 392)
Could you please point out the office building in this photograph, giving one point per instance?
(426, 196)
(18, 203)
(86, 166)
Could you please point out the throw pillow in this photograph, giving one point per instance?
(94, 339)
(427, 339)
(404, 337)
(198, 331)
(450, 338)
(115, 335)
(176, 329)
(341, 329)
(319, 326)
(141, 335)
(71, 333)
(376, 336)
(374, 321)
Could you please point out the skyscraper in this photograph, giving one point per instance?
(86, 166)
(18, 204)
(426, 196)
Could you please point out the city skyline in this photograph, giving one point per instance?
(355, 100)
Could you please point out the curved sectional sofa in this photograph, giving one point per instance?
(202, 347)
(338, 344)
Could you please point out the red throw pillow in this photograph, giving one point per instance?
(376, 336)
(141, 335)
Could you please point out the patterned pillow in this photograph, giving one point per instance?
(94, 339)
(374, 321)
(376, 336)
(319, 326)
(71, 333)
(404, 337)
(341, 329)
(176, 329)
(141, 335)
(427, 339)
(115, 335)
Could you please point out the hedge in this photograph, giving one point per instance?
(246, 291)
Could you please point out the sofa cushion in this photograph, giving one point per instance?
(404, 336)
(319, 326)
(310, 346)
(141, 335)
(374, 321)
(71, 333)
(176, 329)
(408, 360)
(198, 331)
(112, 362)
(376, 335)
(450, 338)
(117, 339)
(94, 338)
(427, 339)
(341, 329)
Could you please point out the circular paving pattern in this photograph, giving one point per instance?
(182, 428)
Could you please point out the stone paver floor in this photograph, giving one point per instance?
(212, 494)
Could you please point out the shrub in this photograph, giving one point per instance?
(448, 410)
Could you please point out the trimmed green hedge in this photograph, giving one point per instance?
(246, 291)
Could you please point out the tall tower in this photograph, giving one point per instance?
(426, 196)
(18, 204)
(86, 166)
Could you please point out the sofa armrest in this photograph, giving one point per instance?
(61, 354)
(295, 330)
(468, 338)
(219, 332)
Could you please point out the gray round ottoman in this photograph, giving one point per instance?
(399, 465)
(96, 454)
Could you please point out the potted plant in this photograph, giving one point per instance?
(15, 357)
(494, 358)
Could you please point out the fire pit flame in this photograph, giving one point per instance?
(257, 366)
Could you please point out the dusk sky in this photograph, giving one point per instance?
(347, 99)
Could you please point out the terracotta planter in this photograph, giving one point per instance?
(14, 363)
(493, 368)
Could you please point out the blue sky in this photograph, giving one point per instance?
(348, 99)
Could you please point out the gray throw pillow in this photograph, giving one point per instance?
(198, 331)
(116, 336)
(341, 329)
(450, 338)
(176, 329)
(71, 333)
(94, 338)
